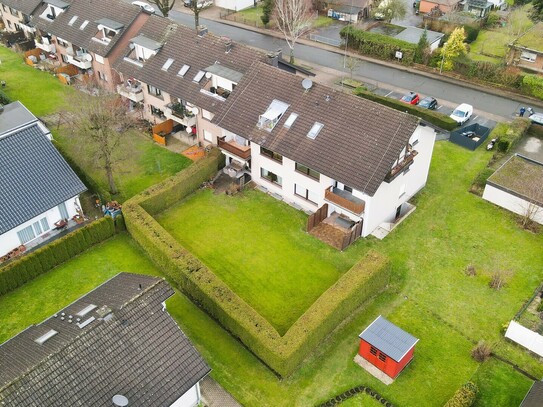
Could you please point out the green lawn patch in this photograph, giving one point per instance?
(41, 92)
(258, 246)
(492, 44)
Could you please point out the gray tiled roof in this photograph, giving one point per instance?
(388, 338)
(24, 6)
(360, 140)
(413, 34)
(534, 397)
(13, 116)
(137, 351)
(123, 14)
(34, 176)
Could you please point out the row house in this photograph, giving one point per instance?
(180, 79)
(17, 15)
(312, 145)
(87, 35)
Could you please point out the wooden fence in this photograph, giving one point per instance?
(351, 237)
(317, 217)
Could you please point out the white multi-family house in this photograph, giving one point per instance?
(312, 145)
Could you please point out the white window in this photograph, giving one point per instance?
(528, 56)
(37, 228)
(72, 20)
(183, 70)
(167, 64)
(305, 193)
(290, 120)
(44, 224)
(26, 234)
(206, 114)
(102, 76)
(314, 132)
(208, 136)
(199, 76)
(99, 58)
(82, 27)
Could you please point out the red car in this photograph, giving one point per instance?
(412, 98)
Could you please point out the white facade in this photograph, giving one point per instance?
(235, 5)
(190, 399)
(513, 203)
(37, 226)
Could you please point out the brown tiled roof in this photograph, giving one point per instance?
(186, 48)
(357, 146)
(137, 351)
(24, 6)
(93, 11)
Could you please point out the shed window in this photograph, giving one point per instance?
(382, 356)
(373, 350)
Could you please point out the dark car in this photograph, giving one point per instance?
(412, 98)
(428, 103)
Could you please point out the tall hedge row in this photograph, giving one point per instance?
(282, 354)
(22, 270)
(438, 119)
(378, 45)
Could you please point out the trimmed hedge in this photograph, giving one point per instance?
(438, 119)
(204, 288)
(508, 134)
(28, 267)
(464, 397)
(378, 45)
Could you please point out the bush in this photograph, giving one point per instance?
(492, 20)
(4, 99)
(204, 288)
(436, 118)
(464, 397)
(533, 85)
(22, 270)
(481, 352)
(471, 33)
(508, 134)
(378, 45)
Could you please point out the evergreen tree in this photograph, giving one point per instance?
(422, 47)
(267, 9)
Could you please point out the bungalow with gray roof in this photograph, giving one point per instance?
(413, 35)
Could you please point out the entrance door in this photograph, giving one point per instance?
(63, 211)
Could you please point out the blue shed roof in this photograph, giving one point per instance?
(388, 338)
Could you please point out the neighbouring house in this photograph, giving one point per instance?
(413, 35)
(317, 148)
(479, 8)
(534, 396)
(386, 346)
(235, 5)
(115, 346)
(527, 51)
(445, 6)
(38, 186)
(518, 187)
(17, 15)
(88, 35)
(347, 13)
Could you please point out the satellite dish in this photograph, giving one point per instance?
(307, 84)
(119, 400)
(208, 75)
(194, 110)
(87, 57)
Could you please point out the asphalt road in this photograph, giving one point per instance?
(492, 107)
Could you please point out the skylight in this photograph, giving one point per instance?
(45, 337)
(199, 76)
(167, 64)
(86, 310)
(290, 120)
(72, 21)
(84, 24)
(183, 70)
(314, 132)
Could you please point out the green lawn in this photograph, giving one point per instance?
(251, 16)
(490, 46)
(259, 247)
(41, 92)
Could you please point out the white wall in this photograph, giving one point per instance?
(190, 399)
(512, 203)
(235, 5)
(10, 240)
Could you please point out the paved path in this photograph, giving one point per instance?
(213, 395)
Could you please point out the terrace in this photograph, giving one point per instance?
(243, 152)
(345, 199)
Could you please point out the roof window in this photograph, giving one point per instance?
(82, 27)
(86, 310)
(314, 132)
(199, 76)
(273, 114)
(46, 336)
(184, 69)
(290, 120)
(167, 64)
(72, 20)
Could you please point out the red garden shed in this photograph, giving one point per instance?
(386, 346)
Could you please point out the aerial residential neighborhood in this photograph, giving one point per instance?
(273, 203)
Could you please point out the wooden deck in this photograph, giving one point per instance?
(195, 153)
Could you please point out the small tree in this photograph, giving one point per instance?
(164, 6)
(453, 48)
(394, 9)
(294, 19)
(267, 10)
(518, 23)
(537, 10)
(352, 64)
(423, 48)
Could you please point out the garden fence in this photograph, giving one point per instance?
(317, 217)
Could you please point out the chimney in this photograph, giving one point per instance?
(274, 57)
(228, 46)
(202, 30)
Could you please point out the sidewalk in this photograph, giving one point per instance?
(213, 14)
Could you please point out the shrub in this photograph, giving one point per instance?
(492, 20)
(508, 134)
(471, 33)
(4, 99)
(481, 352)
(26, 268)
(436, 118)
(464, 397)
(533, 85)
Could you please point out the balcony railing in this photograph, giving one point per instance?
(180, 114)
(134, 93)
(402, 165)
(243, 152)
(345, 199)
(81, 60)
(46, 46)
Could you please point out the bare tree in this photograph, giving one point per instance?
(531, 208)
(518, 23)
(164, 5)
(351, 64)
(294, 19)
(197, 6)
(100, 125)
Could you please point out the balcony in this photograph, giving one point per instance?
(45, 45)
(401, 166)
(82, 60)
(180, 114)
(345, 199)
(243, 152)
(134, 93)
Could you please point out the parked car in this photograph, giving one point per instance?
(412, 98)
(428, 103)
(144, 6)
(462, 113)
(536, 118)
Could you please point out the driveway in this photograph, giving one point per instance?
(532, 146)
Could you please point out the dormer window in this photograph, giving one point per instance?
(273, 114)
(53, 9)
(107, 29)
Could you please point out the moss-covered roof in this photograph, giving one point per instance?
(533, 38)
